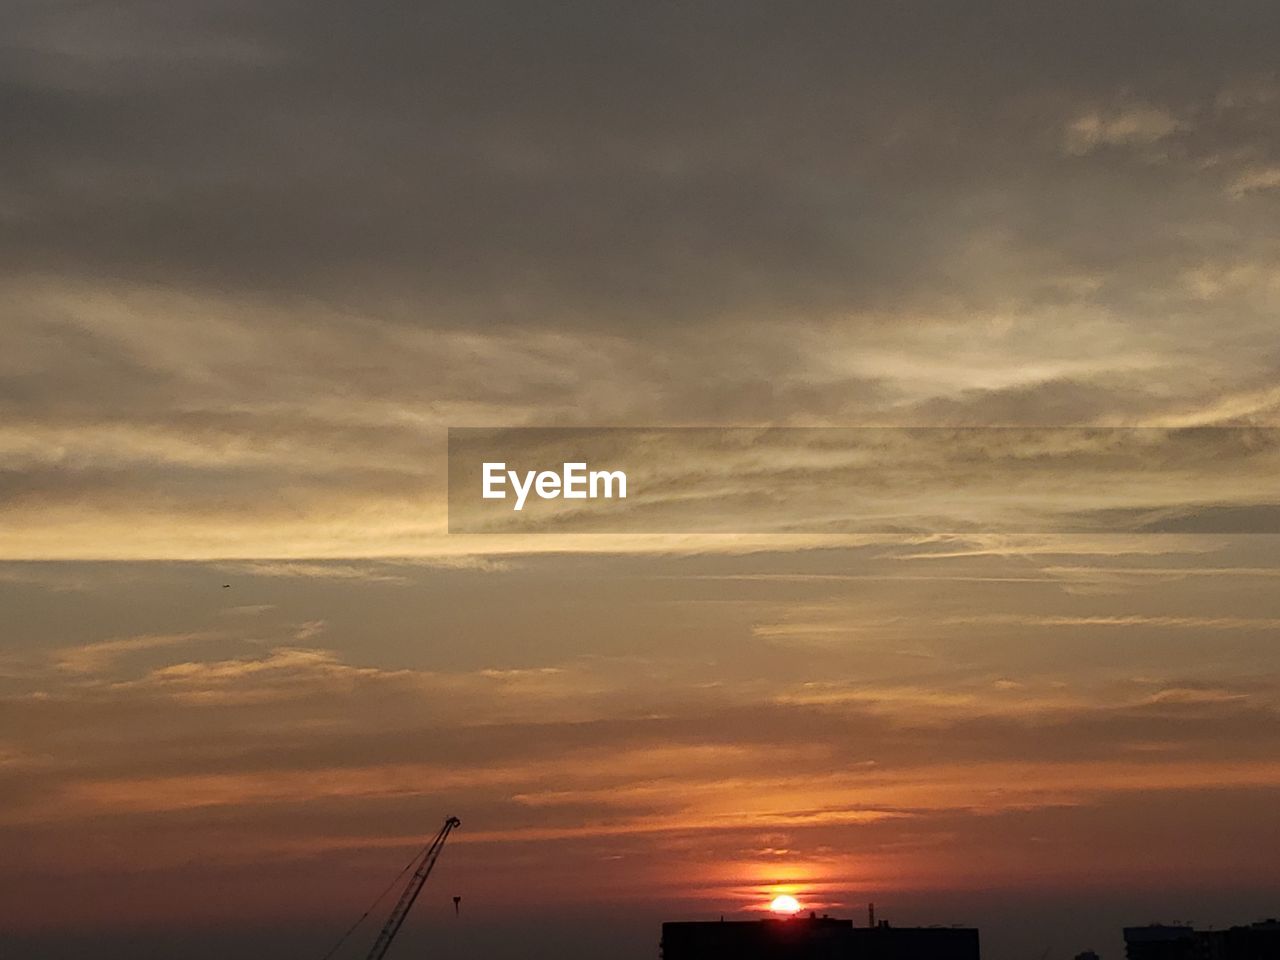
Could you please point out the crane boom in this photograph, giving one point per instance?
(411, 891)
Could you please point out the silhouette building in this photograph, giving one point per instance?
(793, 938)
(814, 938)
(1258, 941)
(1160, 941)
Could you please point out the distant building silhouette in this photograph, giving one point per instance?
(814, 938)
(1258, 941)
(1159, 941)
(883, 942)
(795, 938)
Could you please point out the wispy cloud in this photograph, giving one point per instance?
(95, 657)
(373, 572)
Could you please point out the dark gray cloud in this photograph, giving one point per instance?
(602, 164)
(299, 235)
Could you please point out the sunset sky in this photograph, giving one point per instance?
(260, 256)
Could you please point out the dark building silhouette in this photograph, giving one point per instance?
(1159, 941)
(1258, 941)
(1255, 942)
(883, 942)
(814, 938)
(795, 938)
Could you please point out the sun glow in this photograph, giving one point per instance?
(785, 904)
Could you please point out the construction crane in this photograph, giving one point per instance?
(424, 861)
(411, 890)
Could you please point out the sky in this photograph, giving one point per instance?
(260, 257)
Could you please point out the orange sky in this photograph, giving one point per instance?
(643, 729)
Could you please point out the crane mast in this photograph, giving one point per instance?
(411, 891)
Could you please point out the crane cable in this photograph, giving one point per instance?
(364, 916)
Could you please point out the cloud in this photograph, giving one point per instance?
(95, 657)
(249, 610)
(1129, 125)
(1263, 178)
(323, 571)
(302, 304)
(660, 755)
(1128, 620)
(260, 256)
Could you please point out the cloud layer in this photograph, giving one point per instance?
(261, 256)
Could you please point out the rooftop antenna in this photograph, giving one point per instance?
(871, 914)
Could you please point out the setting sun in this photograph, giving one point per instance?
(785, 904)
